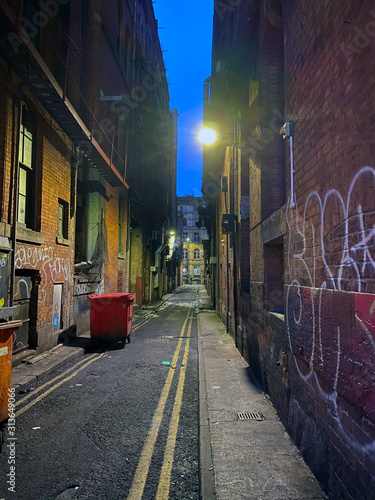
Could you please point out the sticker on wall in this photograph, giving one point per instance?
(55, 320)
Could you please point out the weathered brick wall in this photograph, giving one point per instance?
(53, 260)
(226, 248)
(116, 266)
(39, 252)
(6, 148)
(317, 362)
(330, 251)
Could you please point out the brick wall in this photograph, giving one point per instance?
(117, 262)
(330, 253)
(316, 361)
(41, 251)
(317, 365)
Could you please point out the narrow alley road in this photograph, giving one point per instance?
(110, 425)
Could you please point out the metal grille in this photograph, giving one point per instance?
(250, 415)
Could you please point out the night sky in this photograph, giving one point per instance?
(187, 38)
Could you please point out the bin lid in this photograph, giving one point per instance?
(10, 324)
(124, 297)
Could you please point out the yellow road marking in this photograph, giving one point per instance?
(50, 382)
(165, 476)
(136, 327)
(39, 398)
(140, 476)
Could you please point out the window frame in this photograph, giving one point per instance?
(27, 166)
(64, 234)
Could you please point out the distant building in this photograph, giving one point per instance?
(192, 235)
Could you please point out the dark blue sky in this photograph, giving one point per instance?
(188, 39)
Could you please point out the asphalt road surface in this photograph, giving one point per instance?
(118, 423)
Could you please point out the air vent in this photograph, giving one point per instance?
(250, 415)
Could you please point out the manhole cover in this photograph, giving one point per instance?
(250, 415)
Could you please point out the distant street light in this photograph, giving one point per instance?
(207, 136)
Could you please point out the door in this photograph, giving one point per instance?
(22, 297)
(57, 306)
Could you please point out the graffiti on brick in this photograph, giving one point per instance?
(336, 248)
(4, 278)
(330, 325)
(50, 267)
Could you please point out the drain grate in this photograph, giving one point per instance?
(250, 415)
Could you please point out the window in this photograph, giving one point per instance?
(121, 224)
(62, 219)
(186, 208)
(185, 236)
(197, 253)
(195, 208)
(27, 185)
(185, 253)
(185, 222)
(273, 253)
(196, 237)
(197, 270)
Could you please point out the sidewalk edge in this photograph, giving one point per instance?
(49, 370)
(206, 472)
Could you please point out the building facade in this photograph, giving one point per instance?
(87, 162)
(293, 275)
(193, 234)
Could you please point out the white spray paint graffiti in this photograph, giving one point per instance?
(100, 288)
(358, 258)
(341, 245)
(81, 289)
(55, 268)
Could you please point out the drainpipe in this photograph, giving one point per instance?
(288, 131)
(15, 207)
(206, 95)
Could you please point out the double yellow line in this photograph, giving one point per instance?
(140, 476)
(86, 363)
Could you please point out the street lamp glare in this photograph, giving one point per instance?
(207, 136)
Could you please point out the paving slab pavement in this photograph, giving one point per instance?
(242, 459)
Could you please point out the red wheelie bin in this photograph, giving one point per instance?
(111, 316)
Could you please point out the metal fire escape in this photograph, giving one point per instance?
(30, 66)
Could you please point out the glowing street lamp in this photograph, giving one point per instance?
(207, 136)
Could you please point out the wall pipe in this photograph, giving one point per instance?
(292, 201)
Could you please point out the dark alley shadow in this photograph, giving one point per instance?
(89, 345)
(253, 381)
